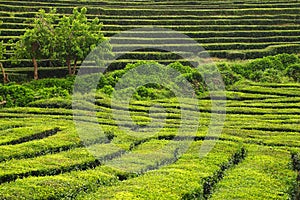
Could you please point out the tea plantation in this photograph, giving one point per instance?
(256, 156)
(255, 45)
(226, 29)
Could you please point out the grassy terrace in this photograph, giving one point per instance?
(260, 133)
(227, 29)
(156, 151)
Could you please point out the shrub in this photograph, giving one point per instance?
(293, 71)
(107, 89)
(272, 76)
(52, 103)
(256, 76)
(240, 69)
(51, 92)
(16, 95)
(287, 59)
(180, 68)
(230, 77)
(260, 64)
(66, 83)
(269, 69)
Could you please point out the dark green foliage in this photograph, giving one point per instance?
(148, 92)
(75, 37)
(63, 83)
(287, 59)
(16, 95)
(107, 89)
(228, 74)
(22, 95)
(270, 68)
(293, 71)
(36, 43)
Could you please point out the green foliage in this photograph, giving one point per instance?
(264, 114)
(64, 83)
(76, 37)
(268, 69)
(16, 95)
(107, 89)
(52, 103)
(22, 95)
(36, 43)
(293, 71)
(51, 92)
(2, 50)
(70, 40)
(287, 59)
(264, 174)
(147, 93)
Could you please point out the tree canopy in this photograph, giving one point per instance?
(37, 42)
(68, 39)
(76, 37)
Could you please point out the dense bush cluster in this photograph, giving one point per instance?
(13, 94)
(54, 92)
(279, 68)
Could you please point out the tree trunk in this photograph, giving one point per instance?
(35, 47)
(75, 66)
(35, 69)
(69, 66)
(5, 76)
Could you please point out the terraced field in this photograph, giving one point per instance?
(43, 154)
(227, 29)
(256, 156)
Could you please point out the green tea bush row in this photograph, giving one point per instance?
(188, 27)
(264, 174)
(220, 40)
(207, 34)
(182, 12)
(223, 5)
(75, 159)
(210, 182)
(285, 92)
(52, 103)
(180, 28)
(62, 186)
(56, 143)
(172, 181)
(25, 136)
(171, 20)
(109, 11)
(261, 21)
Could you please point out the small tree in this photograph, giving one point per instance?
(76, 37)
(37, 42)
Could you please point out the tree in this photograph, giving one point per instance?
(37, 42)
(76, 37)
